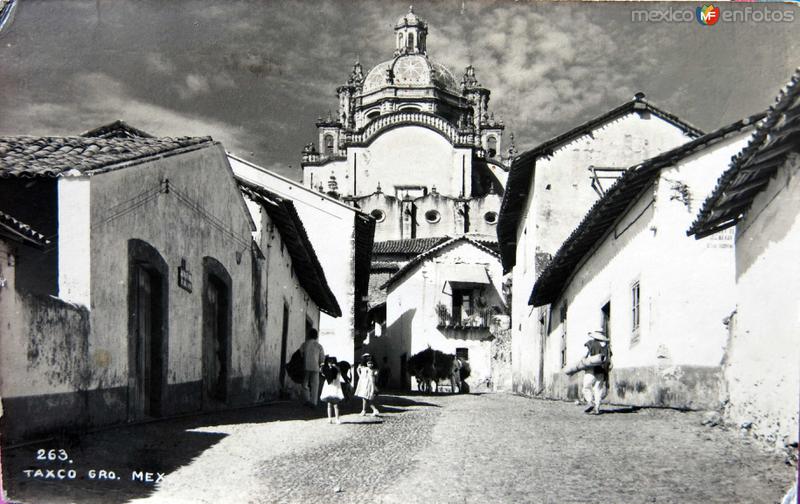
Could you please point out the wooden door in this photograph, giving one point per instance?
(215, 344)
(148, 361)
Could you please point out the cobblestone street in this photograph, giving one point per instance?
(442, 449)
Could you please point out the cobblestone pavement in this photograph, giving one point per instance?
(491, 448)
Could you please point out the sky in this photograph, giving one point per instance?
(257, 75)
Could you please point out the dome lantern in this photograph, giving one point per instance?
(410, 34)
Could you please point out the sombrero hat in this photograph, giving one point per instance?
(598, 335)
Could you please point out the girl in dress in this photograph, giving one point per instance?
(366, 388)
(332, 388)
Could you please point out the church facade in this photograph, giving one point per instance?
(412, 146)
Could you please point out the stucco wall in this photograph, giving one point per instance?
(559, 196)
(330, 227)
(411, 315)
(686, 291)
(763, 360)
(43, 353)
(407, 155)
(478, 210)
(390, 228)
(74, 220)
(282, 289)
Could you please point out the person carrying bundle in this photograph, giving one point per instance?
(595, 378)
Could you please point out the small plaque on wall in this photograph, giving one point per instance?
(184, 277)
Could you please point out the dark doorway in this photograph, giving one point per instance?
(606, 321)
(284, 343)
(216, 333)
(404, 385)
(147, 348)
(149, 340)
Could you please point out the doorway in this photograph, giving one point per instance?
(284, 344)
(216, 344)
(404, 384)
(147, 329)
(605, 323)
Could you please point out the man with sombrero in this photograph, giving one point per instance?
(595, 378)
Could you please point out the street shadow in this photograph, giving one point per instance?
(620, 410)
(161, 446)
(366, 421)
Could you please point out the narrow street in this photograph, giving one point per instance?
(428, 449)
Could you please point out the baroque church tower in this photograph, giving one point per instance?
(412, 146)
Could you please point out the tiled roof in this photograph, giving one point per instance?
(383, 266)
(605, 212)
(407, 246)
(19, 231)
(25, 156)
(376, 294)
(432, 252)
(304, 259)
(116, 129)
(751, 170)
(521, 172)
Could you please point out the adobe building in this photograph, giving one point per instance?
(549, 190)
(151, 298)
(447, 298)
(758, 196)
(629, 270)
(342, 237)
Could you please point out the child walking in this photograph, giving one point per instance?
(332, 388)
(366, 388)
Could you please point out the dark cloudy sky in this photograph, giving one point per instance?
(256, 75)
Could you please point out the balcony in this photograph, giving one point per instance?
(477, 319)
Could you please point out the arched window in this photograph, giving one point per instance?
(399, 40)
(410, 42)
(328, 145)
(372, 115)
(491, 147)
(410, 109)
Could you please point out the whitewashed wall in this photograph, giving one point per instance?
(411, 311)
(407, 155)
(559, 196)
(330, 227)
(686, 291)
(763, 360)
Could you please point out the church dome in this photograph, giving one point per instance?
(410, 70)
(410, 19)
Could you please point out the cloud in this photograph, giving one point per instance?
(159, 64)
(102, 99)
(194, 85)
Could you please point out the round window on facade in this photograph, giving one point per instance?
(490, 217)
(433, 216)
(378, 215)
